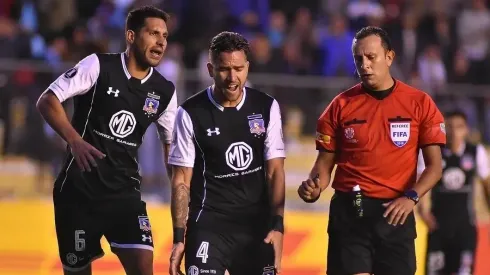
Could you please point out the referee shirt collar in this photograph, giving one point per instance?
(221, 108)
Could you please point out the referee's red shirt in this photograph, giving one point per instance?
(376, 137)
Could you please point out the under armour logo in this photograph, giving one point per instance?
(110, 91)
(211, 132)
(145, 238)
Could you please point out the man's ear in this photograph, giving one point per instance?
(130, 36)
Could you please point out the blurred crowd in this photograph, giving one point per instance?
(436, 42)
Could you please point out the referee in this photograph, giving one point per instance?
(373, 132)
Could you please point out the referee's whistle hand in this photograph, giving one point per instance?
(309, 190)
(176, 259)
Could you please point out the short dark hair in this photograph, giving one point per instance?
(136, 18)
(457, 113)
(370, 30)
(228, 42)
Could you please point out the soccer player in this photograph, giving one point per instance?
(373, 132)
(116, 97)
(228, 172)
(450, 216)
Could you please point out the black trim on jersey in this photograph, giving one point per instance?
(442, 145)
(399, 119)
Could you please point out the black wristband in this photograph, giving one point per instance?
(278, 223)
(179, 234)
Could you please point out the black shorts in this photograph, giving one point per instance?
(79, 228)
(368, 244)
(208, 252)
(451, 250)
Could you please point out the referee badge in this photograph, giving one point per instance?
(400, 133)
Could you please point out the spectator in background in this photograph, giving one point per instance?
(474, 38)
(336, 46)
(432, 69)
(265, 59)
(277, 29)
(361, 11)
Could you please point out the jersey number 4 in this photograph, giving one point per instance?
(202, 252)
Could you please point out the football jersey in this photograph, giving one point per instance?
(452, 196)
(228, 149)
(376, 136)
(112, 111)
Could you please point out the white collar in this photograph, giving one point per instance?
(128, 75)
(221, 108)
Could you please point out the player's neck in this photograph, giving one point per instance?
(384, 85)
(221, 99)
(455, 146)
(135, 69)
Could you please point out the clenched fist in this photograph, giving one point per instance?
(310, 190)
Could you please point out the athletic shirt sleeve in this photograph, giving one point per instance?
(482, 162)
(274, 143)
(77, 80)
(326, 128)
(432, 127)
(182, 150)
(167, 120)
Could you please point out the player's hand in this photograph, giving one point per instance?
(84, 154)
(276, 239)
(429, 220)
(398, 210)
(309, 190)
(176, 259)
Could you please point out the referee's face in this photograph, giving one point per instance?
(372, 61)
(229, 71)
(150, 42)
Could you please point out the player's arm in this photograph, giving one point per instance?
(432, 135)
(76, 81)
(483, 171)
(165, 126)
(181, 157)
(275, 154)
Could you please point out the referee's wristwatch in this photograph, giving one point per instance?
(412, 195)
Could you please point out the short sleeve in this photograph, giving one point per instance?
(182, 149)
(482, 162)
(167, 120)
(77, 80)
(432, 128)
(326, 128)
(274, 143)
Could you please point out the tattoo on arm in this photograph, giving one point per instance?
(180, 204)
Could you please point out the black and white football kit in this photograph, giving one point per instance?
(229, 211)
(112, 112)
(451, 247)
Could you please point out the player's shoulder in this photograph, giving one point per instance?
(196, 100)
(258, 97)
(112, 58)
(161, 84)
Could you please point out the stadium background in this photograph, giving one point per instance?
(301, 55)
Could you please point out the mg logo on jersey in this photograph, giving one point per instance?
(239, 156)
(122, 124)
(400, 133)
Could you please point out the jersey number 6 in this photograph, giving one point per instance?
(79, 241)
(202, 252)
